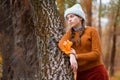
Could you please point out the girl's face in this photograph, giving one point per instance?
(73, 20)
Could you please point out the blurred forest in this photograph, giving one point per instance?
(26, 24)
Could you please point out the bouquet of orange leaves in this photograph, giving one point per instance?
(67, 49)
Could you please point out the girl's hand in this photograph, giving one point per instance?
(73, 62)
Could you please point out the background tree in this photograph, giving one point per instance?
(113, 52)
(111, 40)
(6, 30)
(87, 7)
(19, 48)
(0, 59)
(99, 23)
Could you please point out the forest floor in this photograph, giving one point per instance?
(116, 76)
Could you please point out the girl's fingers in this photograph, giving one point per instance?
(74, 66)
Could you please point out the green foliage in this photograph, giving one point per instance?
(67, 3)
(64, 4)
(113, 5)
(104, 10)
(70, 2)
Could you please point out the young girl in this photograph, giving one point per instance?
(85, 53)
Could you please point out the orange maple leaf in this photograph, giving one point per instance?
(67, 46)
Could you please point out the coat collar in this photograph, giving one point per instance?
(77, 29)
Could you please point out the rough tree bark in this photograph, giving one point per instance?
(7, 39)
(19, 48)
(23, 42)
(54, 65)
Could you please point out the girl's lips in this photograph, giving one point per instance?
(71, 23)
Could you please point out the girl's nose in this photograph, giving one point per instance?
(69, 20)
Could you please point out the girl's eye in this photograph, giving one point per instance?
(71, 16)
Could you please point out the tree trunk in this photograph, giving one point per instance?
(29, 48)
(113, 52)
(7, 39)
(89, 13)
(54, 65)
(99, 24)
(87, 7)
(19, 48)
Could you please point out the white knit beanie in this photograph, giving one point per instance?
(75, 9)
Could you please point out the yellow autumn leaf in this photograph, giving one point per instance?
(67, 46)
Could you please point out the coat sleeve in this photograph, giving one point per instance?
(96, 49)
